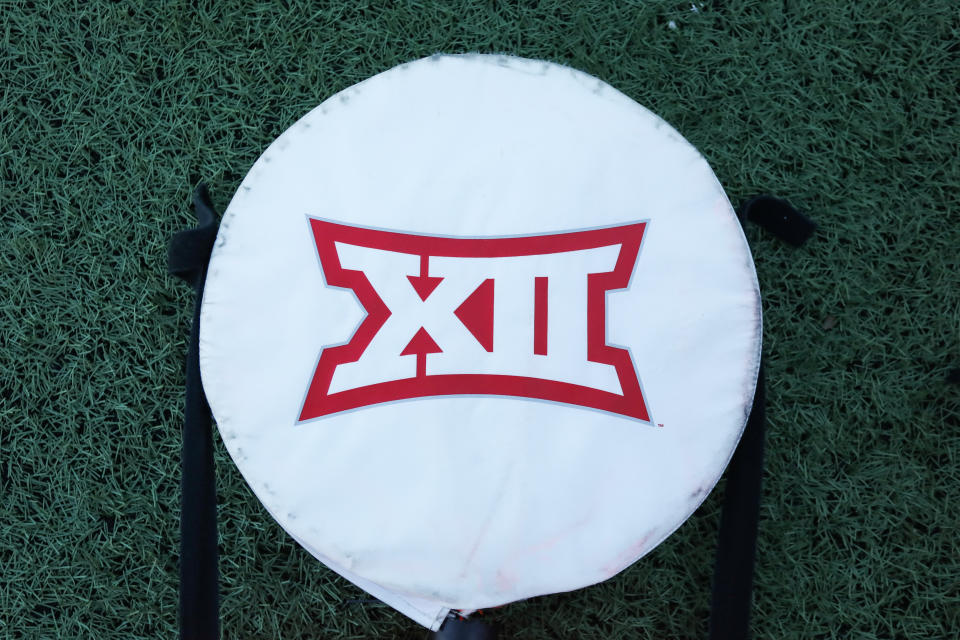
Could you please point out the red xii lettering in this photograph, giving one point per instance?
(521, 316)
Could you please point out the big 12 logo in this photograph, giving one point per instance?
(514, 316)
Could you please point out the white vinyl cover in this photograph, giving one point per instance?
(498, 456)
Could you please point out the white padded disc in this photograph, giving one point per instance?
(543, 432)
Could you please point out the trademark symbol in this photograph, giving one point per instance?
(660, 424)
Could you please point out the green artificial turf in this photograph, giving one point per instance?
(110, 113)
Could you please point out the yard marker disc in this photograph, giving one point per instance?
(480, 328)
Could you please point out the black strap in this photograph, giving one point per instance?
(458, 628)
(736, 544)
(778, 217)
(199, 594)
(737, 539)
